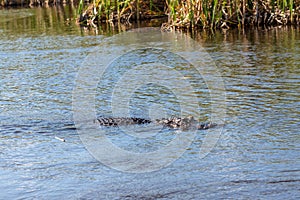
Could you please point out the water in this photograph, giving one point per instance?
(257, 155)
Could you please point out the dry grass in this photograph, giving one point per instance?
(190, 14)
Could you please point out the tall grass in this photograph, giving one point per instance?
(106, 10)
(203, 13)
(80, 7)
(191, 13)
(227, 13)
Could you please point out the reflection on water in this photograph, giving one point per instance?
(56, 20)
(39, 21)
(257, 155)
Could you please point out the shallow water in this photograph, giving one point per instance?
(257, 154)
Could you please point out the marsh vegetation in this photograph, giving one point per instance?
(189, 14)
(182, 14)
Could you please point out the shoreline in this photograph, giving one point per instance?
(261, 15)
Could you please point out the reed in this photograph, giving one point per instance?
(80, 7)
(182, 13)
(232, 13)
(192, 14)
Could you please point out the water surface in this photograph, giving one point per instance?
(257, 155)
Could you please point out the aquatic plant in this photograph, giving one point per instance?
(120, 10)
(228, 13)
(197, 13)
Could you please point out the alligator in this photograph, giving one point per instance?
(172, 122)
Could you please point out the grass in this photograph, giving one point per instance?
(191, 14)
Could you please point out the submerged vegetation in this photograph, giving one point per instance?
(194, 13)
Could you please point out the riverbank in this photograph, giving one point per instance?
(183, 14)
(180, 14)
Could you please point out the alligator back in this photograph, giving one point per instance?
(117, 121)
(174, 122)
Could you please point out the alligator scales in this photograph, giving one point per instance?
(174, 122)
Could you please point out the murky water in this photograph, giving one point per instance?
(257, 155)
